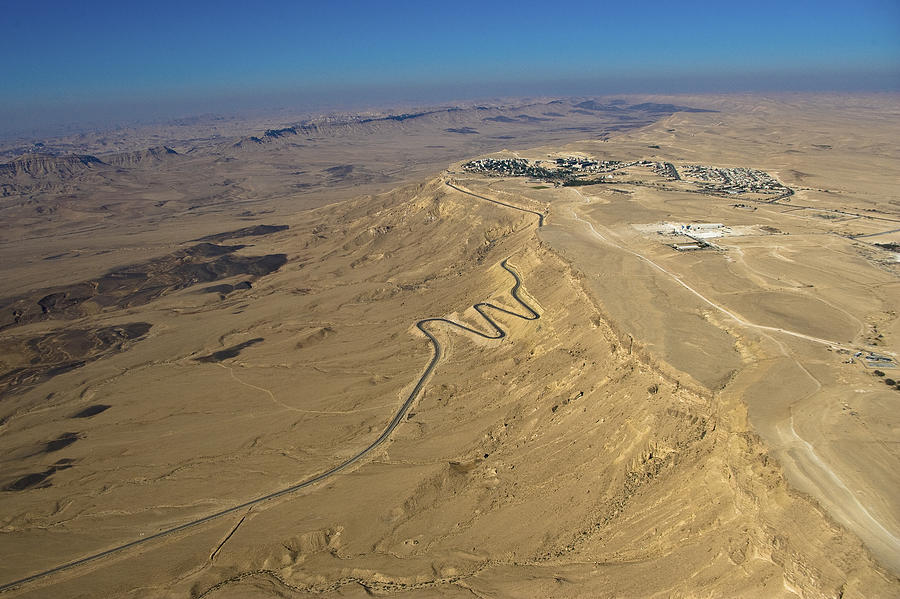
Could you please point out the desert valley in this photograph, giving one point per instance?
(631, 346)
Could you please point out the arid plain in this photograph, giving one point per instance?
(691, 300)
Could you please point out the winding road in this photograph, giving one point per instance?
(540, 215)
(495, 332)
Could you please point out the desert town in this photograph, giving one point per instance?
(641, 344)
(576, 171)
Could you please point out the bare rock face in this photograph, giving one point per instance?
(31, 173)
(150, 156)
(41, 166)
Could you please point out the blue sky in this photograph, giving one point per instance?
(182, 56)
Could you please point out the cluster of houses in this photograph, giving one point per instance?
(561, 171)
(576, 170)
(574, 163)
(733, 180)
(510, 167)
(664, 169)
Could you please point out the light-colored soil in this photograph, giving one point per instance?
(674, 424)
(811, 279)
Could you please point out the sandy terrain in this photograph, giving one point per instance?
(790, 304)
(663, 423)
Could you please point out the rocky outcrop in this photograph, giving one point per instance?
(142, 157)
(41, 166)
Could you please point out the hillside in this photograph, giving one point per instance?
(475, 382)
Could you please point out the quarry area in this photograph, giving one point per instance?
(570, 348)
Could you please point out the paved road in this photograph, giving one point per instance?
(874, 234)
(495, 332)
(493, 201)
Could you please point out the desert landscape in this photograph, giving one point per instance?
(625, 346)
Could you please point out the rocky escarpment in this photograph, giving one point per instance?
(33, 166)
(142, 157)
(460, 119)
(46, 172)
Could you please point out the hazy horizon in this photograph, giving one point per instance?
(103, 65)
(470, 299)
